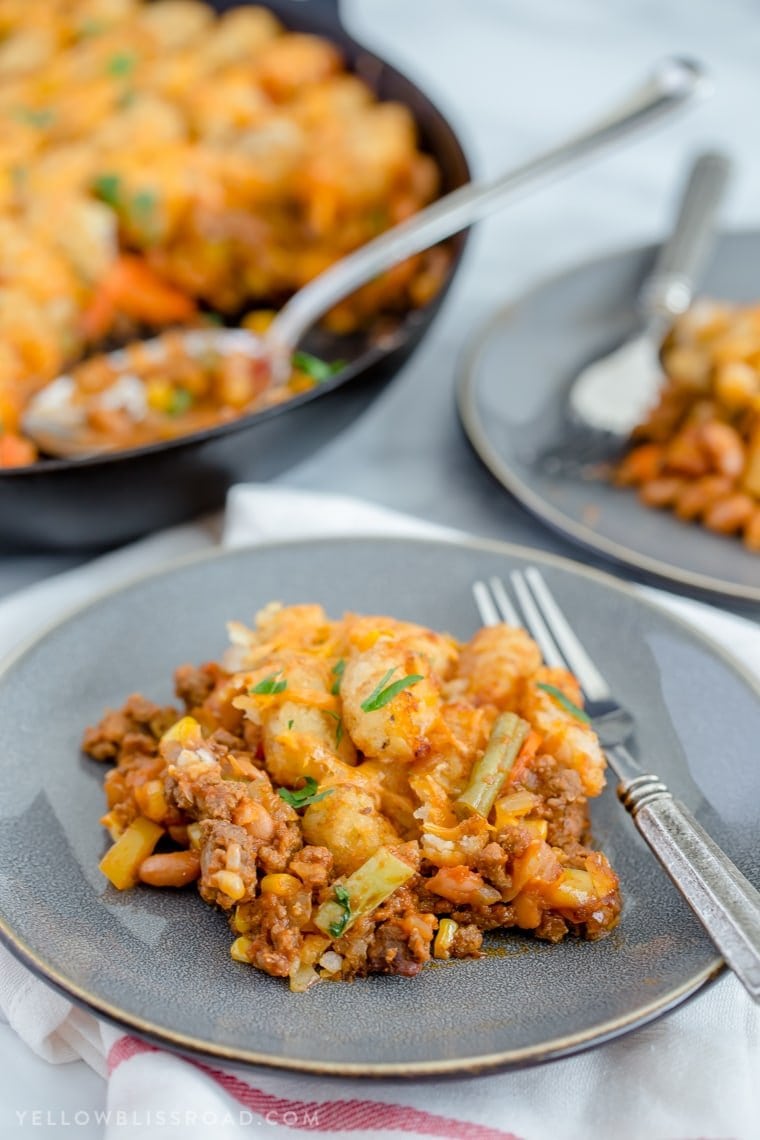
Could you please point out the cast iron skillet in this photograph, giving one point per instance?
(101, 502)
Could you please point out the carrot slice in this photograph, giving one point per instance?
(525, 756)
(132, 288)
(15, 451)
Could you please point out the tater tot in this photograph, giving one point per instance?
(294, 62)
(349, 825)
(495, 661)
(396, 728)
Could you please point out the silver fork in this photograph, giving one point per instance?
(724, 901)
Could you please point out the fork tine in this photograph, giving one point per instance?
(535, 622)
(560, 646)
(501, 598)
(489, 615)
(592, 682)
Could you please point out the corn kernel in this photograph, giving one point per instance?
(280, 884)
(186, 732)
(444, 939)
(152, 800)
(240, 948)
(239, 921)
(259, 320)
(159, 394)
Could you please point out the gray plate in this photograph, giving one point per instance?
(511, 389)
(158, 963)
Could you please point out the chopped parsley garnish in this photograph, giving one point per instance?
(566, 703)
(341, 897)
(19, 175)
(144, 203)
(270, 685)
(107, 187)
(180, 402)
(142, 214)
(383, 692)
(121, 64)
(36, 117)
(290, 725)
(91, 27)
(337, 672)
(308, 794)
(317, 369)
(338, 726)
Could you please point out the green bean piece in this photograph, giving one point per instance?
(363, 891)
(491, 770)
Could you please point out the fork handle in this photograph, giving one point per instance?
(726, 903)
(668, 290)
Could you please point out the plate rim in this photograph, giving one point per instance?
(585, 537)
(182, 1042)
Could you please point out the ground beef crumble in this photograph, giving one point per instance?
(139, 720)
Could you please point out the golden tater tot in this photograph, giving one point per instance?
(349, 825)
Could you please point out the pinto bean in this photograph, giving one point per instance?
(685, 455)
(725, 448)
(255, 818)
(728, 515)
(661, 492)
(170, 869)
(640, 465)
(462, 886)
(697, 497)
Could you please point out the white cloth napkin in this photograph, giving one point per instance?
(692, 1074)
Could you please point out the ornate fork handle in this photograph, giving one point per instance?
(726, 903)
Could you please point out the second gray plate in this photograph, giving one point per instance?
(511, 389)
(159, 963)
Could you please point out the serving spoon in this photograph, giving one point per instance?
(59, 424)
